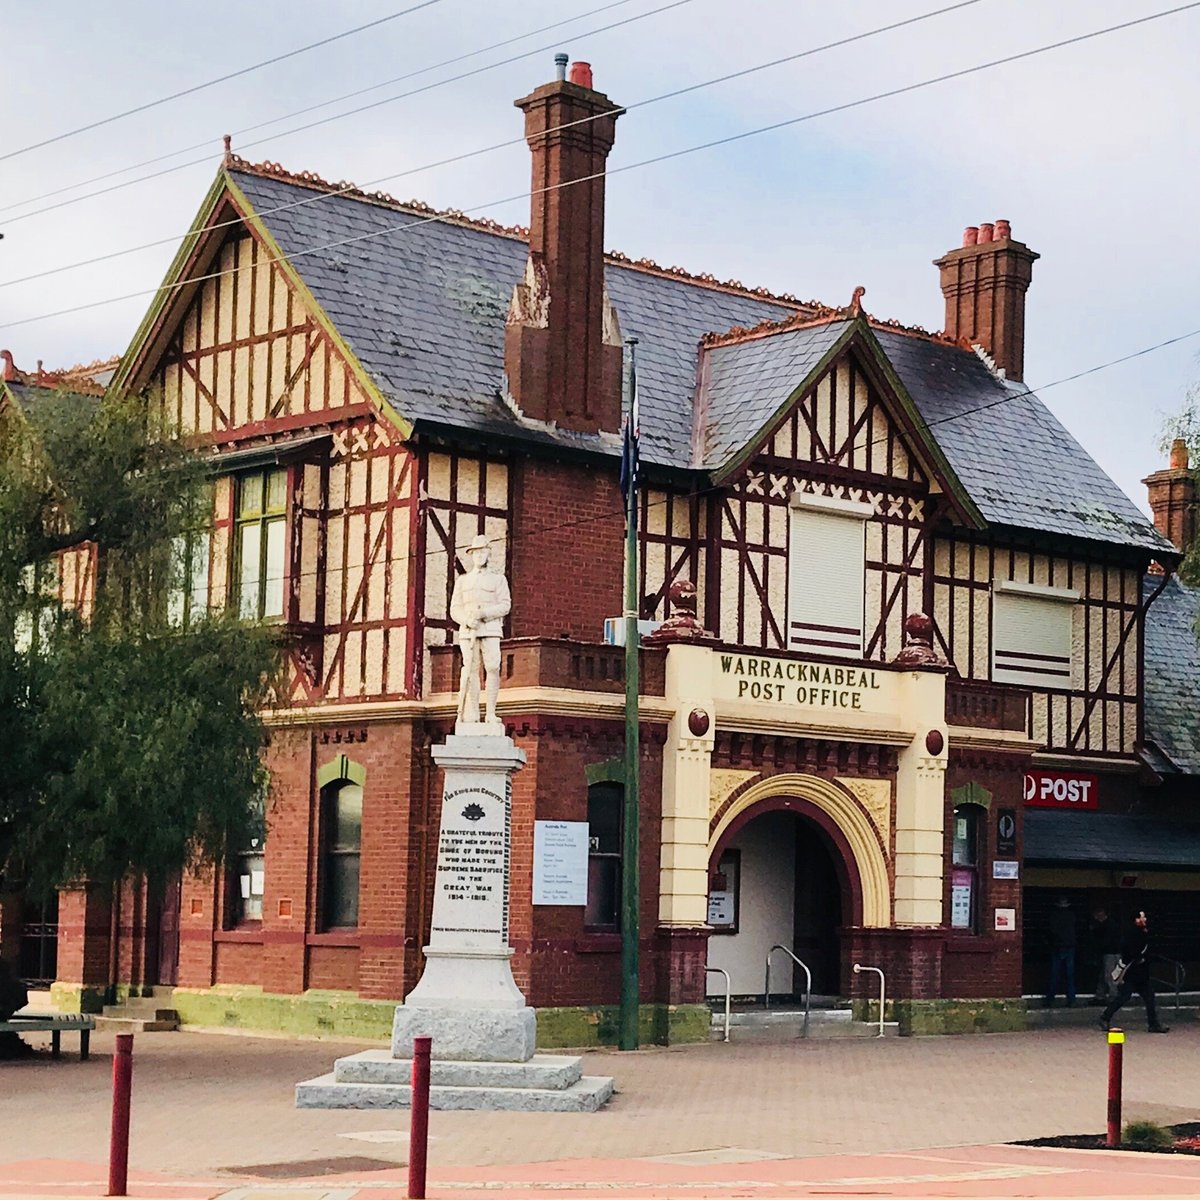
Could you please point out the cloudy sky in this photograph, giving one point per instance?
(1088, 150)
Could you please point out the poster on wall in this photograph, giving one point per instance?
(1005, 869)
(1006, 920)
(960, 900)
(723, 888)
(560, 862)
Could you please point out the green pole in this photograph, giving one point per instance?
(630, 891)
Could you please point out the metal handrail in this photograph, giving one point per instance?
(1180, 973)
(858, 969)
(807, 982)
(728, 993)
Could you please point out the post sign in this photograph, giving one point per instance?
(1005, 869)
(1006, 832)
(560, 862)
(1061, 789)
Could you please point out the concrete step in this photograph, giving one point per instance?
(785, 1025)
(586, 1094)
(118, 1018)
(553, 1072)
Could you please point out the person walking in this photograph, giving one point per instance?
(1061, 928)
(1134, 972)
(1106, 944)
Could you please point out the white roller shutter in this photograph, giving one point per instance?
(825, 580)
(1031, 636)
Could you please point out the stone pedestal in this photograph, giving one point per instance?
(466, 999)
(484, 1034)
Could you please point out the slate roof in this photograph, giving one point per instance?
(31, 396)
(745, 383)
(423, 309)
(1109, 838)
(1171, 692)
(1011, 453)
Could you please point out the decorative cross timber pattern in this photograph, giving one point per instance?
(359, 439)
(886, 504)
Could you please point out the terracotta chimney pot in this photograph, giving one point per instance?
(1179, 455)
(581, 73)
(985, 231)
(1003, 231)
(970, 235)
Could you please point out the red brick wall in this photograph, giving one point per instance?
(83, 935)
(565, 582)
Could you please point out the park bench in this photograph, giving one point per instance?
(55, 1024)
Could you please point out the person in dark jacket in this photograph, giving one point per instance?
(1135, 975)
(1106, 946)
(1061, 927)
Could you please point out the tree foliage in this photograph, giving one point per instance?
(130, 744)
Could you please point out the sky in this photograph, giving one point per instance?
(1088, 150)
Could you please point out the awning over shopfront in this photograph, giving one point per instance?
(1108, 840)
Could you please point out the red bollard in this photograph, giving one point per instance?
(418, 1138)
(1116, 1049)
(118, 1145)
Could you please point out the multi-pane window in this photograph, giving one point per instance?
(604, 856)
(40, 603)
(826, 575)
(1032, 635)
(342, 805)
(260, 542)
(187, 596)
(964, 870)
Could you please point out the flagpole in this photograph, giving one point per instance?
(630, 890)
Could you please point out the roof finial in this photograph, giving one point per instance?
(228, 140)
(40, 373)
(856, 301)
(8, 368)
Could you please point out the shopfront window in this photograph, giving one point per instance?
(964, 870)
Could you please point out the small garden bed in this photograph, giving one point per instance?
(1142, 1136)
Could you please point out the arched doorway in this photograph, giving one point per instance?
(816, 864)
(778, 879)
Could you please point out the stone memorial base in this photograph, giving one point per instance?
(544, 1083)
(484, 1034)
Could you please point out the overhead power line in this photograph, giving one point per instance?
(298, 112)
(919, 427)
(428, 87)
(200, 87)
(666, 156)
(515, 141)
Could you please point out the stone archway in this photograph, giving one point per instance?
(863, 862)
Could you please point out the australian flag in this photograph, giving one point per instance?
(629, 448)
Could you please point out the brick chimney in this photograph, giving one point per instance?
(984, 282)
(1173, 498)
(562, 344)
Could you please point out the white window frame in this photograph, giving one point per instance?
(1046, 663)
(831, 621)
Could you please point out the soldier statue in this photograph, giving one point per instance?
(478, 606)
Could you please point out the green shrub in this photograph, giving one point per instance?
(1147, 1135)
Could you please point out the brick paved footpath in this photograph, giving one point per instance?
(213, 1117)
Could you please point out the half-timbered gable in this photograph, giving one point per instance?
(820, 524)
